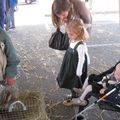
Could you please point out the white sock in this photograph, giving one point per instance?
(86, 91)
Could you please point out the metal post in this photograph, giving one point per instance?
(119, 12)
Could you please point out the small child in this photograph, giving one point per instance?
(78, 34)
(73, 70)
(96, 87)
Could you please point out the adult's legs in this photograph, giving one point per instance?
(2, 13)
(12, 21)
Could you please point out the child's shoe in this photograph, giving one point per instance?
(75, 102)
(78, 101)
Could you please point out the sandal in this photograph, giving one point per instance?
(67, 102)
(75, 102)
(78, 101)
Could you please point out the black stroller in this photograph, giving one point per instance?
(109, 101)
(104, 103)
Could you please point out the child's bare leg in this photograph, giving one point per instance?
(86, 91)
(79, 91)
(85, 84)
(80, 100)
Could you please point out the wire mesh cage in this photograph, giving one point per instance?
(28, 106)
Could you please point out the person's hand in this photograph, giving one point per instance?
(102, 91)
(10, 80)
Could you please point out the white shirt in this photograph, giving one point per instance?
(82, 50)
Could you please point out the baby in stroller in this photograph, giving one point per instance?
(97, 84)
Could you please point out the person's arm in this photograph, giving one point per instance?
(81, 59)
(102, 91)
(82, 11)
(12, 58)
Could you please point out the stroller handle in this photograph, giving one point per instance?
(103, 97)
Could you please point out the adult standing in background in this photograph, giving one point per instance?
(7, 15)
(2, 13)
(65, 10)
(11, 13)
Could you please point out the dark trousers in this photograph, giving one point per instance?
(2, 13)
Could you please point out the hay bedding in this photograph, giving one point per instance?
(33, 102)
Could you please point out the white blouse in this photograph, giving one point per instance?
(82, 50)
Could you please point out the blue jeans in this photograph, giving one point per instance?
(2, 13)
(12, 20)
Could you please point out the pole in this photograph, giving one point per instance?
(119, 12)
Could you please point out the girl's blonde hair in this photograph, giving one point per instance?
(78, 27)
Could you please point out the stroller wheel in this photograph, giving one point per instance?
(79, 118)
(87, 102)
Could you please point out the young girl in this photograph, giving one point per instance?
(107, 83)
(73, 70)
